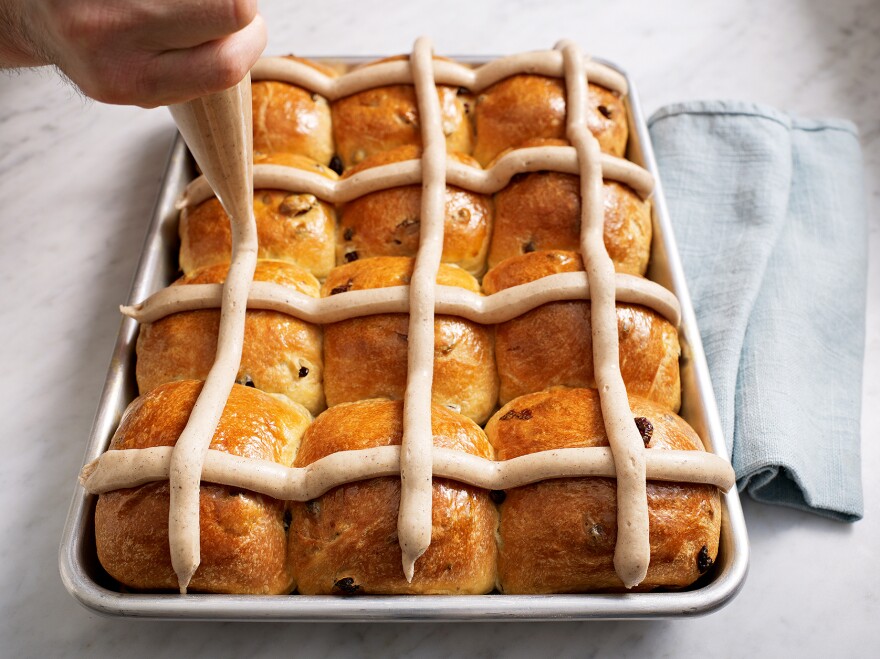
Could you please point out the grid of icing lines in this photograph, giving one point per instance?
(415, 460)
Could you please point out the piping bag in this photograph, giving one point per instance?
(218, 129)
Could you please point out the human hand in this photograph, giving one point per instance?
(136, 52)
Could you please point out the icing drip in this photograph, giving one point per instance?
(632, 551)
(409, 172)
(414, 517)
(499, 307)
(218, 130)
(399, 72)
(134, 467)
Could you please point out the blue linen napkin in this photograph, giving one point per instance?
(769, 215)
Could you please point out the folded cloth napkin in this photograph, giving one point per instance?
(769, 216)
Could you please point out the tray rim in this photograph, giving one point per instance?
(402, 608)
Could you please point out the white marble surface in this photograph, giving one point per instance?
(77, 183)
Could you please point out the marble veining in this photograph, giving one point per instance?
(78, 181)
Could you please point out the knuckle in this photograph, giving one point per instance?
(84, 29)
(228, 69)
(125, 82)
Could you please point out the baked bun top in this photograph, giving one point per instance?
(297, 161)
(253, 424)
(278, 272)
(280, 354)
(542, 210)
(379, 422)
(290, 119)
(294, 227)
(572, 418)
(383, 118)
(388, 222)
(522, 107)
(384, 271)
(529, 267)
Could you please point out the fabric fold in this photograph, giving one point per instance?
(769, 215)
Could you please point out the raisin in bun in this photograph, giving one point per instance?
(387, 222)
(281, 354)
(293, 227)
(542, 210)
(552, 344)
(243, 535)
(383, 118)
(345, 542)
(290, 119)
(522, 107)
(558, 536)
(367, 357)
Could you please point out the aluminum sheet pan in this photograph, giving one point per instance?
(86, 580)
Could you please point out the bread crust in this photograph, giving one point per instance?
(387, 222)
(558, 536)
(525, 106)
(542, 210)
(242, 534)
(384, 118)
(290, 119)
(345, 542)
(367, 357)
(280, 355)
(552, 345)
(293, 227)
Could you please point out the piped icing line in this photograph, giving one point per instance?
(218, 130)
(632, 551)
(127, 468)
(414, 515)
(398, 72)
(561, 159)
(499, 307)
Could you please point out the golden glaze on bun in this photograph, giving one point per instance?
(386, 223)
(383, 118)
(542, 210)
(522, 107)
(558, 536)
(298, 228)
(552, 345)
(243, 535)
(367, 357)
(290, 119)
(345, 542)
(281, 354)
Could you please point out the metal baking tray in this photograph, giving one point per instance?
(86, 580)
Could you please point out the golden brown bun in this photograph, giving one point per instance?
(386, 223)
(383, 118)
(345, 542)
(525, 106)
(243, 536)
(558, 536)
(281, 355)
(297, 228)
(542, 210)
(367, 357)
(290, 119)
(552, 345)
(297, 161)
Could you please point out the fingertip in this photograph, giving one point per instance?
(262, 32)
(244, 12)
(256, 39)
